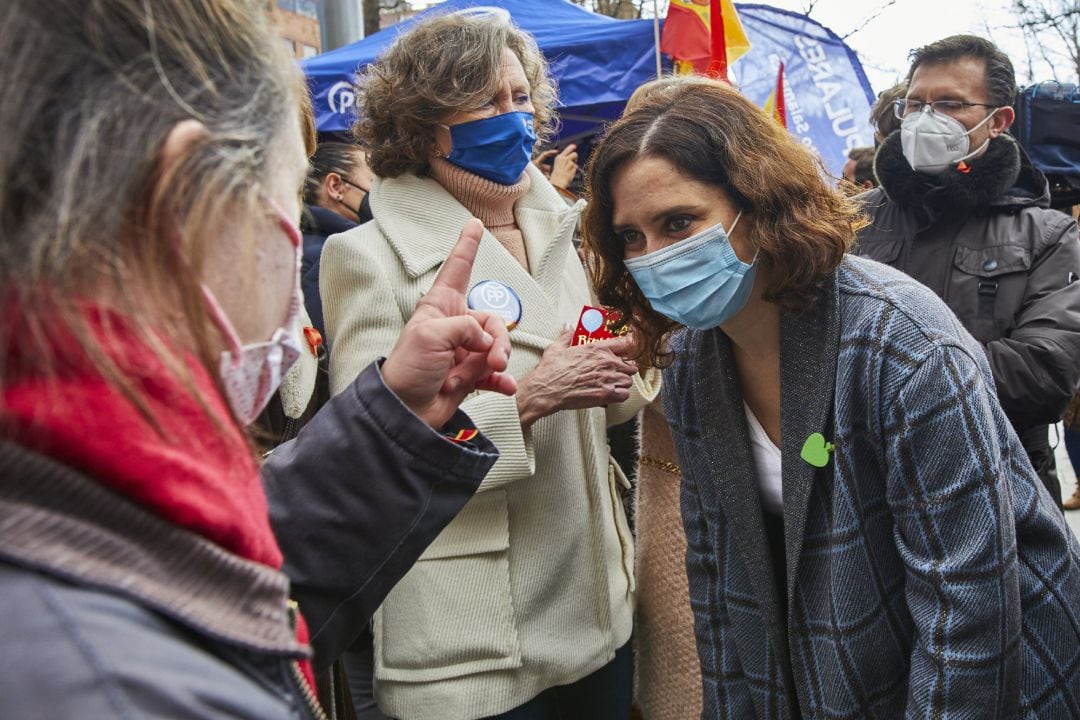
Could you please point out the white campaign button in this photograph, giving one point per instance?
(494, 297)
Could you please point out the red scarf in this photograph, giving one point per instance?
(198, 474)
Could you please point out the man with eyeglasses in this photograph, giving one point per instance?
(961, 209)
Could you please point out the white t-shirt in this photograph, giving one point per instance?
(768, 460)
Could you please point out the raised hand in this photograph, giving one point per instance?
(563, 165)
(447, 351)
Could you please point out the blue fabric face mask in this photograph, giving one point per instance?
(699, 282)
(497, 148)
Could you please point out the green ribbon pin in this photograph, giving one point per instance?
(816, 449)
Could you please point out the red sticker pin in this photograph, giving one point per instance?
(597, 324)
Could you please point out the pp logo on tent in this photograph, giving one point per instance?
(341, 97)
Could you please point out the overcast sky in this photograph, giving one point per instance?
(884, 43)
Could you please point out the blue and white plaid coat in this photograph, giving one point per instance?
(930, 575)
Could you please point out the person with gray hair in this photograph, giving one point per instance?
(523, 607)
(149, 195)
(962, 210)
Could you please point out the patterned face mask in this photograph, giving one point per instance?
(252, 373)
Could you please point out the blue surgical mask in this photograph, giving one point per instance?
(497, 148)
(699, 282)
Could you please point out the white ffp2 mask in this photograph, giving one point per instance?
(933, 142)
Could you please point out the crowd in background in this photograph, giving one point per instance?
(306, 429)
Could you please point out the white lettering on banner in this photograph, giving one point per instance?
(844, 124)
(342, 92)
(829, 90)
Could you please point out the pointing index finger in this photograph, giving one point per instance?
(457, 268)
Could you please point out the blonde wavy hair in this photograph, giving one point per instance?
(443, 65)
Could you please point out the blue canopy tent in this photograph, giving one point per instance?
(599, 61)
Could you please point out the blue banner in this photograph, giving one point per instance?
(826, 93)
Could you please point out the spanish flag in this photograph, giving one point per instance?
(774, 106)
(703, 36)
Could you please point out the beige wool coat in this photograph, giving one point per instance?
(531, 586)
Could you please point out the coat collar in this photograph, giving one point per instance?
(1002, 176)
(322, 222)
(56, 520)
(809, 346)
(421, 221)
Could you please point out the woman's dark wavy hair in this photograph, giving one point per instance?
(799, 224)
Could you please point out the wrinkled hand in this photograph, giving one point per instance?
(571, 378)
(563, 167)
(447, 351)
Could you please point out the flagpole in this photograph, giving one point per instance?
(656, 37)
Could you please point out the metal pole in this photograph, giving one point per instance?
(656, 37)
(341, 22)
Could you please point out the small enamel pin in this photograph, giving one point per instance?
(816, 449)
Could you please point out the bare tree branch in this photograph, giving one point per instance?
(1051, 32)
(869, 19)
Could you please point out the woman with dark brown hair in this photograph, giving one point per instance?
(335, 200)
(866, 537)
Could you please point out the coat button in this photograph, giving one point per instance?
(990, 265)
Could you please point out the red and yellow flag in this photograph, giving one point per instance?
(703, 36)
(774, 106)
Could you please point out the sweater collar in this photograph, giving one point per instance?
(491, 202)
(422, 220)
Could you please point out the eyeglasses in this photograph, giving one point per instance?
(903, 108)
(354, 185)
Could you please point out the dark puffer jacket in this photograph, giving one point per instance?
(987, 243)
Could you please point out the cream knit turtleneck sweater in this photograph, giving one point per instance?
(490, 202)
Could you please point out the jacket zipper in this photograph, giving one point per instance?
(310, 700)
(301, 682)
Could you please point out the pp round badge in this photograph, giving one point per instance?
(493, 297)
